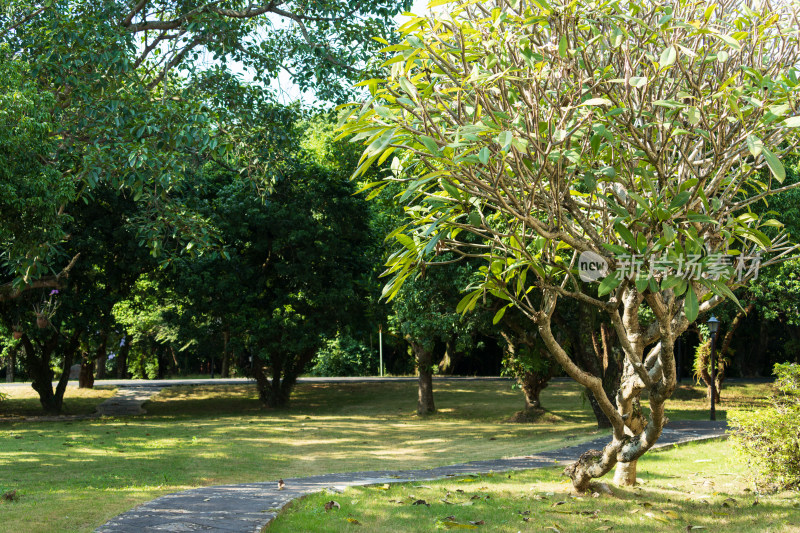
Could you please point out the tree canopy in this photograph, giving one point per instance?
(635, 137)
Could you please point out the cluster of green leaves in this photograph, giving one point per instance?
(31, 189)
(770, 438)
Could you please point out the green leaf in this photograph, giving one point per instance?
(626, 235)
(755, 145)
(499, 315)
(451, 189)
(792, 122)
(436, 3)
(774, 164)
(589, 181)
(691, 307)
(680, 199)
(638, 81)
(408, 87)
(608, 284)
(596, 101)
(562, 47)
(730, 41)
(504, 140)
(668, 57)
(483, 155)
(430, 144)
(468, 301)
(475, 218)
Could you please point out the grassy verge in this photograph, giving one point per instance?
(24, 401)
(692, 487)
(73, 476)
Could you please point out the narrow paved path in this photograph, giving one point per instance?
(128, 401)
(247, 508)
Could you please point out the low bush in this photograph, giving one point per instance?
(769, 438)
(345, 356)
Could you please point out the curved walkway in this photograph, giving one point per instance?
(248, 507)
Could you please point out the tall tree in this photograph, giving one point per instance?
(632, 138)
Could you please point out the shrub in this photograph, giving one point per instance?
(770, 438)
(345, 356)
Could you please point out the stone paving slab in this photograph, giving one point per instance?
(248, 507)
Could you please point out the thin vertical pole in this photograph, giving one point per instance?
(713, 376)
(380, 346)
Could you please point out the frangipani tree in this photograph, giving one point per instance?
(632, 137)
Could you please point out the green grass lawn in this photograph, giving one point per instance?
(692, 487)
(75, 475)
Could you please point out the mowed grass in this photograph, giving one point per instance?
(75, 475)
(699, 486)
(689, 401)
(24, 401)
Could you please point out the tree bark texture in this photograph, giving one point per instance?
(424, 359)
(277, 377)
(101, 356)
(37, 360)
(654, 370)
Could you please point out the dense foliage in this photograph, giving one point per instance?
(769, 438)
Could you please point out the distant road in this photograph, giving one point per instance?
(240, 381)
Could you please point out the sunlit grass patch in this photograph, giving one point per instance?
(692, 487)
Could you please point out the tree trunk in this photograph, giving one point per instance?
(625, 474)
(160, 362)
(175, 367)
(633, 434)
(276, 391)
(101, 356)
(86, 377)
(424, 359)
(532, 385)
(597, 359)
(225, 371)
(41, 372)
(602, 420)
(121, 366)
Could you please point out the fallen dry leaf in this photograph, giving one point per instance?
(354, 521)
